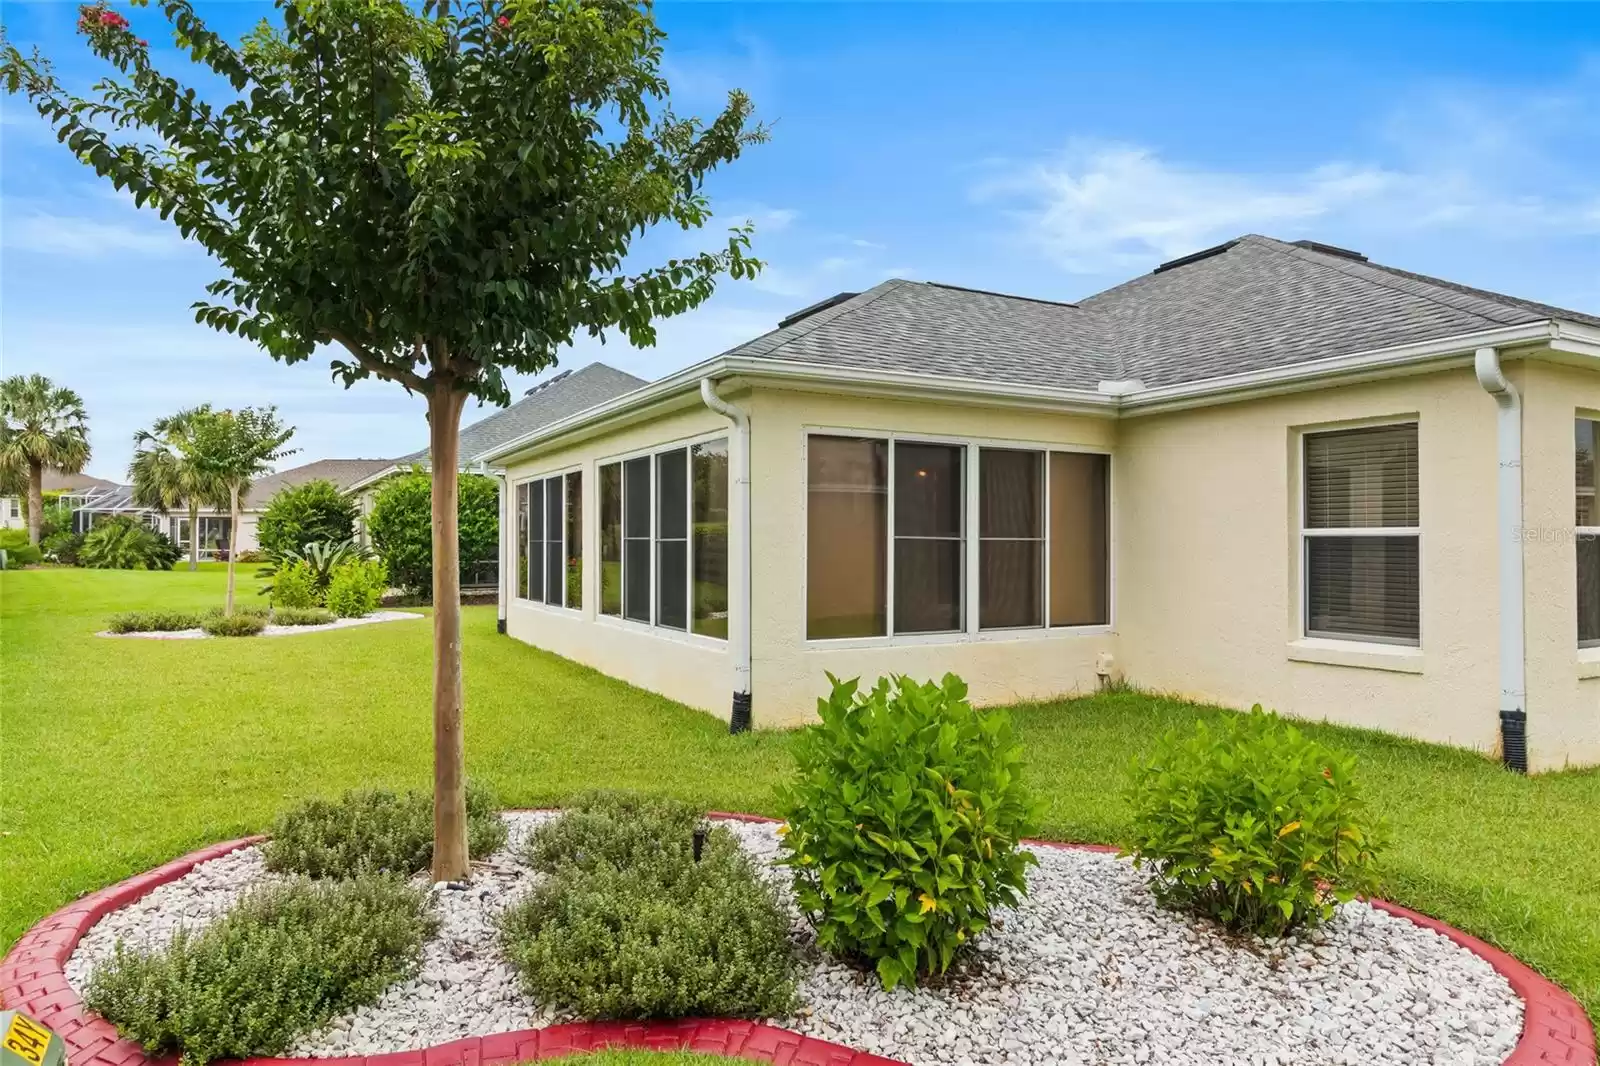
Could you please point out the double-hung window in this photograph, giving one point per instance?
(550, 540)
(1588, 533)
(1361, 535)
(908, 536)
(664, 538)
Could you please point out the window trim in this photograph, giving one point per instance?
(972, 575)
(514, 511)
(1304, 632)
(622, 621)
(1586, 647)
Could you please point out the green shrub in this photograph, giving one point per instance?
(320, 558)
(153, 621)
(249, 555)
(1246, 821)
(312, 511)
(123, 543)
(401, 524)
(239, 624)
(356, 587)
(54, 517)
(282, 962)
(19, 550)
(301, 616)
(62, 547)
(611, 828)
(293, 586)
(661, 936)
(374, 831)
(904, 822)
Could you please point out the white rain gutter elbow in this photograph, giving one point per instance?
(1513, 652)
(739, 549)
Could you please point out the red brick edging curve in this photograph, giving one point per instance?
(1555, 1029)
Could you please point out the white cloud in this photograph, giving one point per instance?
(47, 233)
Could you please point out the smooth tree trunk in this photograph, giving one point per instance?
(35, 501)
(194, 535)
(233, 538)
(449, 753)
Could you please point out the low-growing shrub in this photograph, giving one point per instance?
(661, 936)
(249, 555)
(153, 621)
(293, 586)
(1247, 821)
(240, 624)
(282, 962)
(62, 547)
(372, 831)
(904, 823)
(355, 588)
(19, 550)
(301, 616)
(611, 828)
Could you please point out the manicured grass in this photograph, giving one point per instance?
(118, 755)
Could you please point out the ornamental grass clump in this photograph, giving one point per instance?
(372, 831)
(904, 824)
(280, 964)
(153, 621)
(1246, 821)
(632, 923)
(242, 624)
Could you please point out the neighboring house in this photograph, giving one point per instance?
(1268, 472)
(13, 509)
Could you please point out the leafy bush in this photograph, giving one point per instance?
(658, 936)
(904, 822)
(153, 621)
(401, 524)
(123, 543)
(296, 616)
(301, 514)
(239, 624)
(254, 610)
(611, 828)
(321, 559)
(284, 961)
(293, 586)
(356, 587)
(54, 517)
(1247, 821)
(62, 547)
(373, 831)
(19, 550)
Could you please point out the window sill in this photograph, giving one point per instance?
(1588, 664)
(1395, 658)
(984, 636)
(675, 636)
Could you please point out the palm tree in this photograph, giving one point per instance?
(164, 476)
(41, 424)
(230, 449)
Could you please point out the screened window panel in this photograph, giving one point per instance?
(847, 530)
(636, 547)
(709, 520)
(1011, 539)
(672, 548)
(536, 541)
(554, 563)
(928, 533)
(672, 568)
(522, 540)
(575, 539)
(672, 495)
(1584, 455)
(1362, 478)
(611, 539)
(1080, 539)
(1589, 590)
(1363, 587)
(928, 489)
(927, 585)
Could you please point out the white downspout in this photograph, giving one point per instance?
(739, 546)
(504, 540)
(1513, 654)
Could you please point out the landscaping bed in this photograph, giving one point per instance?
(1087, 968)
(270, 629)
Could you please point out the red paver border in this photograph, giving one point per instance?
(1555, 1029)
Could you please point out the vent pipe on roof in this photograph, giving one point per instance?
(1513, 657)
(739, 547)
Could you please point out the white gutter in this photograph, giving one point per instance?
(739, 579)
(1513, 654)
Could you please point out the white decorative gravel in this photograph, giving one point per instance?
(1087, 971)
(271, 630)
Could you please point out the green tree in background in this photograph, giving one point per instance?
(401, 525)
(165, 475)
(302, 514)
(41, 425)
(443, 192)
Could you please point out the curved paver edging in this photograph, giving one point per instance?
(1555, 1029)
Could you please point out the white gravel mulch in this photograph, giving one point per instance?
(270, 630)
(1086, 971)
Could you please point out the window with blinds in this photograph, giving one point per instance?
(1588, 530)
(1361, 535)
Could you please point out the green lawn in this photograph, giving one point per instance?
(118, 755)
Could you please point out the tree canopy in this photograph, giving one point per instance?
(41, 425)
(167, 475)
(313, 512)
(401, 525)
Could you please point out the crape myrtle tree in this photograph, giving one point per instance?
(165, 474)
(440, 194)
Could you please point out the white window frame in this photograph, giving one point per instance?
(516, 512)
(622, 621)
(972, 567)
(1306, 535)
(1580, 532)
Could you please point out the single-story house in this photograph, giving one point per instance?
(1267, 472)
(13, 508)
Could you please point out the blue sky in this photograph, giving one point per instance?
(1047, 150)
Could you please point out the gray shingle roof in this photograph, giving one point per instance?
(1254, 303)
(565, 394)
(342, 472)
